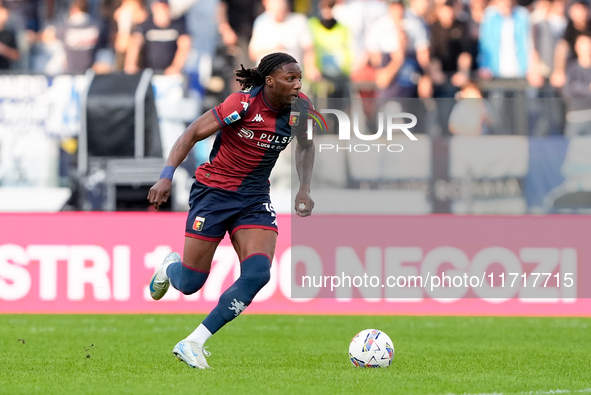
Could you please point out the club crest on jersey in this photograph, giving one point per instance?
(258, 118)
(248, 134)
(232, 118)
(294, 118)
(198, 224)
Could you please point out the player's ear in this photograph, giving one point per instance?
(269, 81)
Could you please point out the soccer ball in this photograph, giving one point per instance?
(371, 348)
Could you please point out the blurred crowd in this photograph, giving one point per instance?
(388, 49)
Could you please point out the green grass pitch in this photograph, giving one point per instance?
(280, 354)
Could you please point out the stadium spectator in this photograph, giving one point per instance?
(548, 21)
(279, 29)
(398, 44)
(476, 11)
(504, 40)
(579, 23)
(548, 26)
(33, 22)
(359, 16)
(8, 47)
(418, 41)
(334, 51)
(577, 89)
(127, 16)
(477, 8)
(70, 47)
(472, 114)
(417, 27)
(164, 42)
(231, 192)
(451, 58)
(235, 23)
(202, 27)
(81, 37)
(26, 14)
(397, 74)
(46, 52)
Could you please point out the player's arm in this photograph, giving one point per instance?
(203, 127)
(304, 158)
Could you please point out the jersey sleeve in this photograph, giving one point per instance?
(231, 110)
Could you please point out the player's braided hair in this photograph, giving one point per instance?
(249, 78)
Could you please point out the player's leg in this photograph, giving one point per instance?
(187, 275)
(247, 242)
(205, 228)
(254, 236)
(255, 248)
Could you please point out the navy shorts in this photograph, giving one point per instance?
(215, 211)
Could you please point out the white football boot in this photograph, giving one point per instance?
(192, 354)
(160, 281)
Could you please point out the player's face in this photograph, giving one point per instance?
(287, 83)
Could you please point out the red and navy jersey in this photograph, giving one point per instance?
(252, 135)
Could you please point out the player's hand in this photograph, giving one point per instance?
(160, 192)
(303, 203)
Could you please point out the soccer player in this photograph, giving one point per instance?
(231, 191)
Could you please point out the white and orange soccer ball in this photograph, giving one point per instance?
(371, 348)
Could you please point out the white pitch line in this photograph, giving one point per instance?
(549, 392)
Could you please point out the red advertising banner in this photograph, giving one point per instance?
(467, 265)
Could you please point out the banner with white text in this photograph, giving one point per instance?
(337, 264)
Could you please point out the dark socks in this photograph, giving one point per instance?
(186, 279)
(255, 272)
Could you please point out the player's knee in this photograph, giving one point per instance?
(261, 276)
(184, 279)
(264, 276)
(257, 269)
